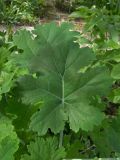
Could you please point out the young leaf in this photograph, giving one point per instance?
(116, 71)
(6, 71)
(9, 142)
(115, 95)
(44, 149)
(8, 147)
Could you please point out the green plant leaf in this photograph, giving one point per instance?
(79, 116)
(19, 110)
(4, 54)
(8, 147)
(100, 139)
(82, 12)
(65, 92)
(115, 95)
(6, 81)
(44, 149)
(111, 55)
(9, 142)
(6, 71)
(103, 137)
(116, 72)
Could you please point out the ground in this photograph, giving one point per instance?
(58, 18)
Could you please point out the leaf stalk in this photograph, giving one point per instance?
(63, 101)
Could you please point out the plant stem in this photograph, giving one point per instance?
(63, 96)
(87, 149)
(61, 139)
(62, 132)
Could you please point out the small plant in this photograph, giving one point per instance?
(16, 12)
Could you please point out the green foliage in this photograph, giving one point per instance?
(45, 149)
(57, 97)
(103, 138)
(116, 71)
(102, 27)
(101, 32)
(6, 72)
(16, 11)
(25, 11)
(9, 141)
(115, 95)
(111, 5)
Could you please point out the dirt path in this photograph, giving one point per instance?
(59, 17)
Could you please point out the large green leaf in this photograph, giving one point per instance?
(56, 61)
(44, 149)
(9, 142)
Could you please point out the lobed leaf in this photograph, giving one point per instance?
(57, 81)
(44, 149)
(9, 142)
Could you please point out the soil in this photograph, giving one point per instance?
(58, 17)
